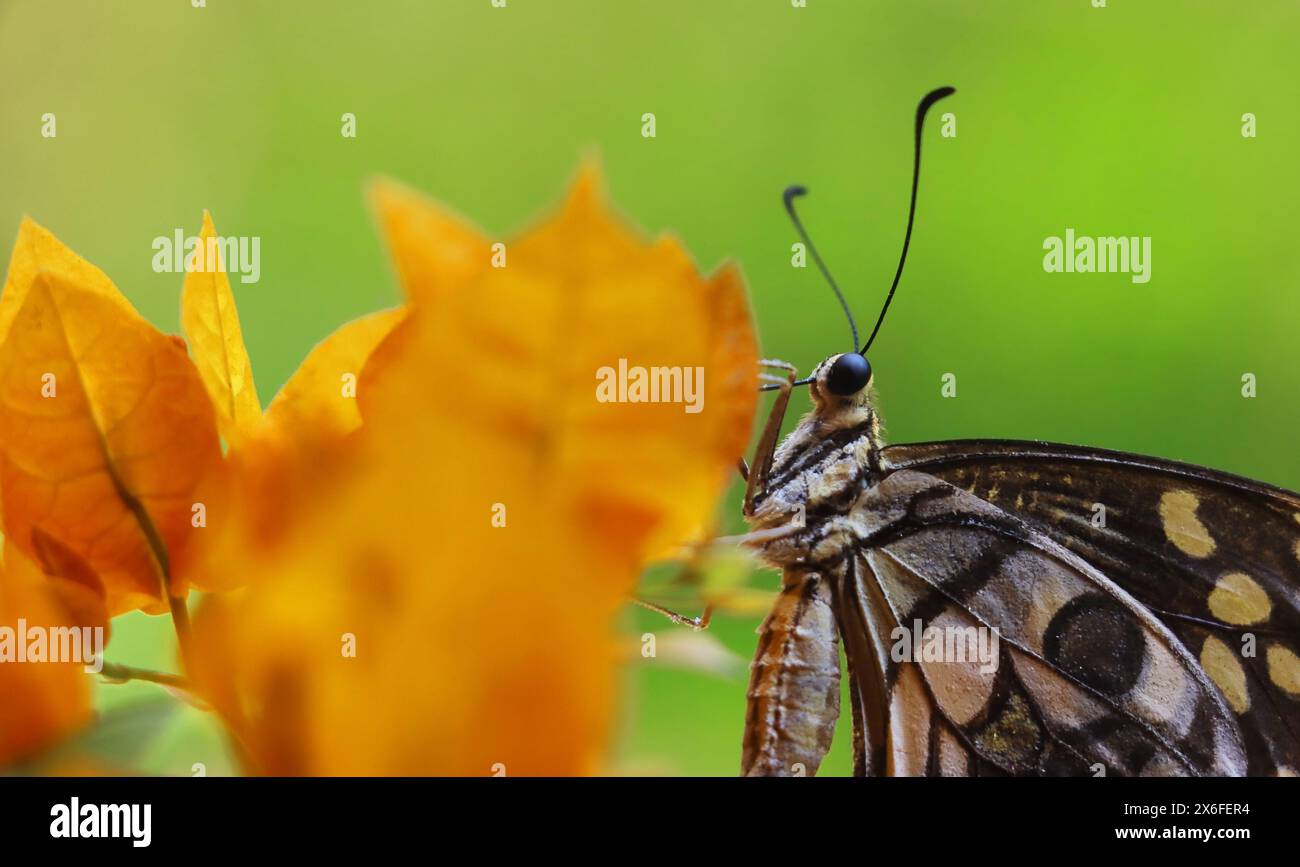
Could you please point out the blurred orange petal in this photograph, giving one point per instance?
(517, 354)
(433, 250)
(43, 702)
(464, 574)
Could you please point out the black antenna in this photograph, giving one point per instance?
(928, 100)
(790, 194)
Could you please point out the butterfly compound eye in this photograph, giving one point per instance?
(848, 375)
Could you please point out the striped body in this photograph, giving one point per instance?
(794, 688)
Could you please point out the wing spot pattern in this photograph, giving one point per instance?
(1223, 667)
(1096, 640)
(1284, 668)
(1238, 599)
(1182, 527)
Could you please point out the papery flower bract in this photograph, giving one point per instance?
(211, 325)
(41, 703)
(494, 515)
(36, 249)
(107, 436)
(457, 668)
(319, 400)
(298, 453)
(514, 352)
(433, 250)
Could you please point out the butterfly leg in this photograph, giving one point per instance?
(689, 574)
(765, 451)
(696, 623)
(758, 538)
(691, 571)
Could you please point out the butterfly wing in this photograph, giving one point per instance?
(1079, 678)
(1214, 557)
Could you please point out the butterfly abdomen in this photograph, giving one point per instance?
(794, 687)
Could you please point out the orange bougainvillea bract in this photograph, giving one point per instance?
(423, 544)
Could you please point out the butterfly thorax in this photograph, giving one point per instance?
(829, 459)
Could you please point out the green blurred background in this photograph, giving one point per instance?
(1122, 120)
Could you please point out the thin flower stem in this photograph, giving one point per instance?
(116, 672)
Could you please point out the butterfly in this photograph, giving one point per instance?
(1012, 608)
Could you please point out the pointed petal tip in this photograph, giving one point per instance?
(587, 191)
(383, 190)
(390, 199)
(28, 226)
(728, 272)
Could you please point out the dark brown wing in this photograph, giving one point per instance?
(1215, 557)
(989, 648)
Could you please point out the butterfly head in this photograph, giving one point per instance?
(843, 379)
